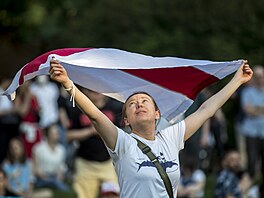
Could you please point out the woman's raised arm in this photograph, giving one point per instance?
(210, 106)
(105, 128)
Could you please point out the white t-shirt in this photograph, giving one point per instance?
(193, 180)
(48, 161)
(137, 175)
(199, 176)
(47, 96)
(5, 103)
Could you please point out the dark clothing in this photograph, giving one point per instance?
(192, 147)
(8, 129)
(65, 103)
(255, 148)
(93, 148)
(9, 193)
(227, 183)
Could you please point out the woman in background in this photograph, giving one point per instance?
(18, 169)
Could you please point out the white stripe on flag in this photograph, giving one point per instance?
(172, 81)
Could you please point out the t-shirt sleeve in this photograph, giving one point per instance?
(175, 134)
(123, 143)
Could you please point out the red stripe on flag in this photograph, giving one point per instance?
(34, 65)
(186, 80)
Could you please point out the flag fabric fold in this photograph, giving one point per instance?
(173, 82)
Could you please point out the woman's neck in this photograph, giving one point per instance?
(145, 132)
(52, 144)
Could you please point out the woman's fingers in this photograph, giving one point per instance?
(247, 69)
(57, 68)
(55, 74)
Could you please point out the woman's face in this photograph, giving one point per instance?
(53, 135)
(16, 148)
(140, 108)
(259, 76)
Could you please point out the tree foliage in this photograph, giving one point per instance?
(197, 29)
(202, 29)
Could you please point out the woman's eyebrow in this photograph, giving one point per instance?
(130, 100)
(145, 97)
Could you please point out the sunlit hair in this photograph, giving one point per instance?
(135, 93)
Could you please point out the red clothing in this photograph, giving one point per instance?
(32, 114)
(29, 127)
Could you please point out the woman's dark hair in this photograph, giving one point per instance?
(10, 156)
(2, 171)
(47, 129)
(135, 93)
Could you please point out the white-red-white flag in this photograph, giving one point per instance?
(173, 82)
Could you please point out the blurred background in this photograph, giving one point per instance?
(194, 29)
(198, 29)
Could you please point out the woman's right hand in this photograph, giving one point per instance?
(58, 73)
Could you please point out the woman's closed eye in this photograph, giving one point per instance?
(131, 103)
(145, 100)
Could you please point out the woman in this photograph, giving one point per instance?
(28, 109)
(48, 159)
(18, 169)
(137, 175)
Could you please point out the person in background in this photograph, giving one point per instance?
(65, 106)
(238, 115)
(252, 101)
(9, 119)
(93, 164)
(232, 182)
(47, 94)
(192, 181)
(28, 109)
(4, 191)
(65, 123)
(18, 169)
(197, 146)
(210, 138)
(49, 161)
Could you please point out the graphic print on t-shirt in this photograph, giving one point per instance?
(164, 163)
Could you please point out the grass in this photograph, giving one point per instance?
(210, 184)
(60, 194)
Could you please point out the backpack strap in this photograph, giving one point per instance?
(164, 176)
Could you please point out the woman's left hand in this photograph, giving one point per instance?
(244, 73)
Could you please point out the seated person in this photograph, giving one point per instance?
(192, 181)
(18, 169)
(4, 191)
(49, 161)
(231, 181)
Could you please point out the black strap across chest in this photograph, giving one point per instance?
(164, 176)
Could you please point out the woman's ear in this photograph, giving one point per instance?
(157, 115)
(126, 122)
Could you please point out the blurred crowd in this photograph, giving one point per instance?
(46, 143)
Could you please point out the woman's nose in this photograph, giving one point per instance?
(139, 104)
